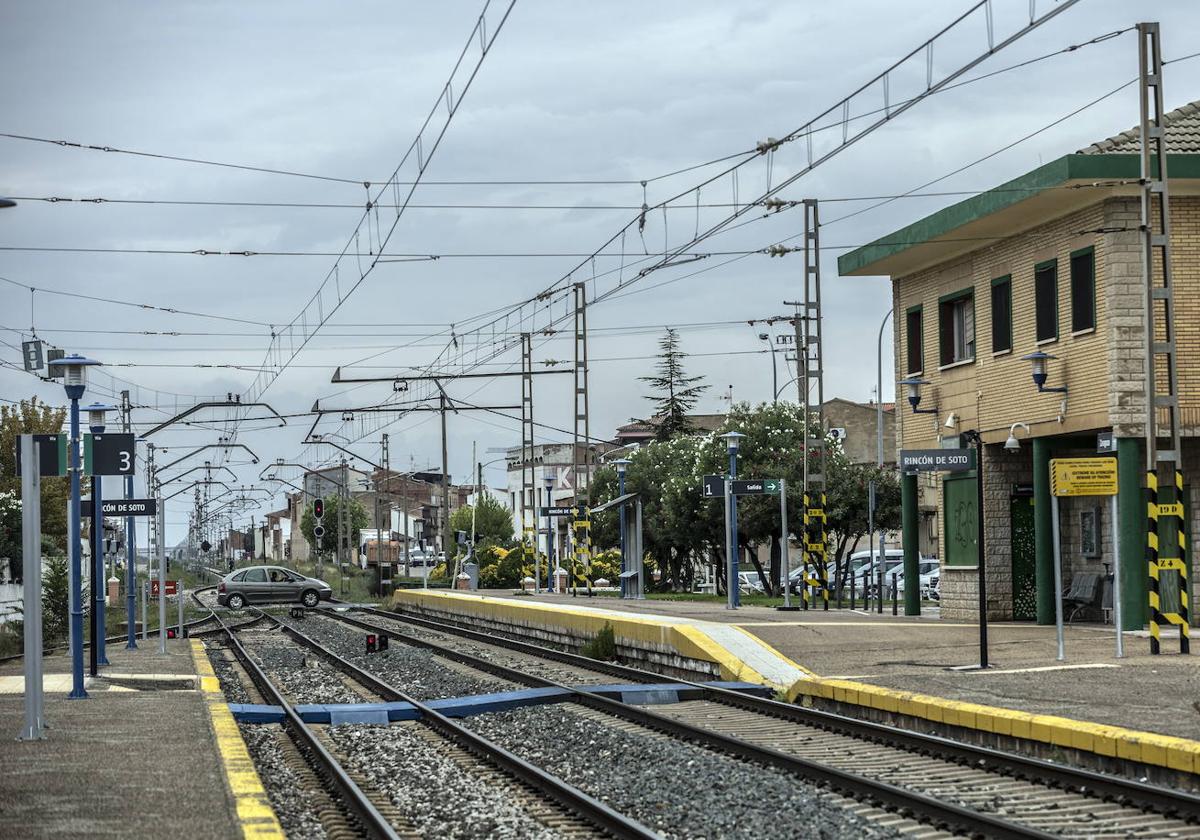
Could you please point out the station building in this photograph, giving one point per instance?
(1052, 262)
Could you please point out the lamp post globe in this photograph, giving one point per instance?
(74, 372)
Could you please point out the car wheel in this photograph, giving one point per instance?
(310, 598)
(236, 602)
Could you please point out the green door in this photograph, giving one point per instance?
(962, 522)
(1024, 582)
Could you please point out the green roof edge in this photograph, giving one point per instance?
(1055, 173)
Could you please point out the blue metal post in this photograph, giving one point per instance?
(75, 574)
(735, 590)
(130, 571)
(624, 546)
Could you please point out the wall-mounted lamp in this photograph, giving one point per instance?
(912, 386)
(1012, 444)
(1038, 360)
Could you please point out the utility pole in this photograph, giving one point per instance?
(130, 542)
(582, 461)
(528, 509)
(384, 580)
(444, 513)
(809, 368)
(1163, 446)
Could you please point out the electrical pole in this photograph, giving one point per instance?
(444, 513)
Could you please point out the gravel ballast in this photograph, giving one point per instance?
(284, 790)
(410, 669)
(432, 790)
(639, 775)
(673, 787)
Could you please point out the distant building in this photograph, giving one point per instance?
(642, 431)
(856, 427)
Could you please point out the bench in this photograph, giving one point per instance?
(1083, 594)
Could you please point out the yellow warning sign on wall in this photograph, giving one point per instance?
(1083, 476)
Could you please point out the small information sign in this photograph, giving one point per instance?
(714, 486)
(172, 587)
(755, 487)
(1083, 476)
(121, 507)
(559, 510)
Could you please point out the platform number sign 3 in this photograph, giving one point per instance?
(110, 454)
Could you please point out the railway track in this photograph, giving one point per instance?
(1002, 794)
(563, 809)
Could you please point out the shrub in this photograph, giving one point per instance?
(603, 647)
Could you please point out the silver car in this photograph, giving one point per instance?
(270, 583)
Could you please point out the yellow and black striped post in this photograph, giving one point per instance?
(814, 551)
(1152, 557)
(581, 565)
(1158, 563)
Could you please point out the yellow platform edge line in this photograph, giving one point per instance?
(255, 815)
(689, 640)
(1103, 739)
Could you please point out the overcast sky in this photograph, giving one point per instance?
(615, 91)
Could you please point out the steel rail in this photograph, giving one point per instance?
(595, 811)
(1076, 779)
(923, 807)
(355, 801)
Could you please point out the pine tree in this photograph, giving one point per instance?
(676, 391)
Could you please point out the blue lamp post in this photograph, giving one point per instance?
(622, 464)
(74, 372)
(733, 440)
(96, 413)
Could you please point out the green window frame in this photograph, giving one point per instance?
(1083, 289)
(956, 327)
(1002, 314)
(1045, 298)
(914, 337)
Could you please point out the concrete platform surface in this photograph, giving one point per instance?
(122, 763)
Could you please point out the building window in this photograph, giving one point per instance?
(1002, 314)
(1045, 293)
(913, 338)
(956, 327)
(1083, 289)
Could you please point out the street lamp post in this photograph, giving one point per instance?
(74, 369)
(733, 440)
(96, 413)
(622, 464)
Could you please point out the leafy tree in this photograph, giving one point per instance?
(10, 535)
(682, 529)
(33, 417)
(493, 521)
(676, 391)
(329, 543)
(56, 595)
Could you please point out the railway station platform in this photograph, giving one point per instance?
(152, 752)
(916, 671)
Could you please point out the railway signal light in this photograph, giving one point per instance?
(318, 508)
(376, 643)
